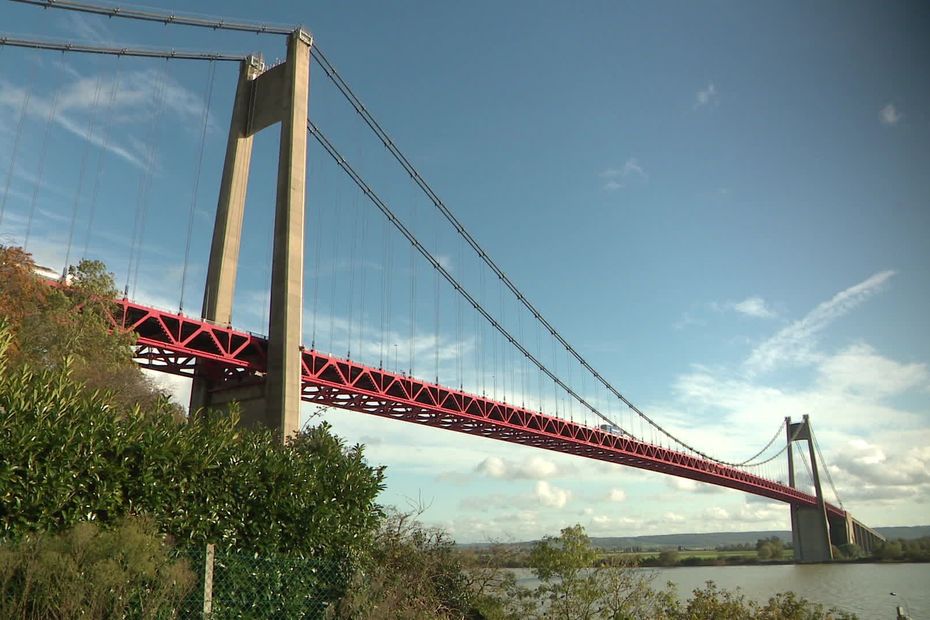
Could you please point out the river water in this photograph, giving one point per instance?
(863, 589)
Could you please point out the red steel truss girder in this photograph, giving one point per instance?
(173, 343)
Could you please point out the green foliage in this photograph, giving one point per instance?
(411, 572)
(66, 456)
(571, 589)
(715, 604)
(618, 590)
(89, 573)
(910, 550)
(850, 551)
(563, 566)
(770, 548)
(890, 550)
(668, 557)
(56, 325)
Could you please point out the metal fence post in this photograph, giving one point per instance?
(208, 581)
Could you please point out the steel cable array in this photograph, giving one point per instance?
(346, 91)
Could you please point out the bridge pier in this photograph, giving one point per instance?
(263, 98)
(810, 529)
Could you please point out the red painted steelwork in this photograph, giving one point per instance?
(173, 343)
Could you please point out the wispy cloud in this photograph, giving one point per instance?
(755, 307)
(616, 178)
(85, 104)
(533, 468)
(616, 495)
(706, 96)
(795, 343)
(89, 30)
(889, 115)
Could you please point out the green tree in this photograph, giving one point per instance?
(411, 572)
(571, 588)
(890, 550)
(54, 323)
(668, 557)
(770, 548)
(564, 566)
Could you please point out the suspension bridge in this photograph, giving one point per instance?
(524, 383)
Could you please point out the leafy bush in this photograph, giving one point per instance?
(89, 573)
(411, 572)
(66, 456)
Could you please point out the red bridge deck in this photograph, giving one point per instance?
(173, 343)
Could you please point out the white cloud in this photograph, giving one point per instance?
(796, 342)
(868, 466)
(716, 513)
(533, 468)
(616, 495)
(551, 495)
(754, 307)
(889, 115)
(859, 369)
(617, 178)
(673, 517)
(706, 96)
(691, 486)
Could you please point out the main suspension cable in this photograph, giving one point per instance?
(84, 48)
(163, 18)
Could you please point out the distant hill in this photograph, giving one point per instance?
(709, 540)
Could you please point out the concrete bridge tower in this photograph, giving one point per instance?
(263, 98)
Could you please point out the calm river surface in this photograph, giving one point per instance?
(860, 588)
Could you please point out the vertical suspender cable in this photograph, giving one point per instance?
(384, 271)
(40, 173)
(145, 198)
(317, 241)
(19, 131)
(333, 260)
(83, 168)
(356, 213)
(148, 163)
(197, 174)
(101, 158)
(361, 290)
(413, 291)
(436, 318)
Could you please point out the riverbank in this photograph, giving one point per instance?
(862, 589)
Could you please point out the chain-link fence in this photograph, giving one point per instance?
(239, 585)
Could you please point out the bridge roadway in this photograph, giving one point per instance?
(174, 343)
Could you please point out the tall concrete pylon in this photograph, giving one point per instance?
(263, 98)
(810, 528)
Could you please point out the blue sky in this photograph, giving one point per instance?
(723, 206)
